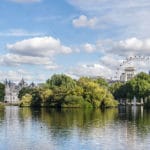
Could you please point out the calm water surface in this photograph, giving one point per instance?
(74, 129)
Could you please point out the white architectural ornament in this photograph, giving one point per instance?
(12, 91)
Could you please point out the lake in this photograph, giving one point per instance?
(74, 129)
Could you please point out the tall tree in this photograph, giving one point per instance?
(2, 92)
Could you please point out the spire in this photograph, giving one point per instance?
(6, 82)
(9, 83)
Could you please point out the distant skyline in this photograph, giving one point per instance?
(74, 37)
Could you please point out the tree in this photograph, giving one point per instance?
(24, 91)
(94, 93)
(36, 99)
(59, 80)
(26, 100)
(115, 89)
(139, 87)
(63, 91)
(46, 96)
(101, 82)
(2, 92)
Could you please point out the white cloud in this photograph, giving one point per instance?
(114, 56)
(19, 32)
(52, 66)
(134, 46)
(15, 60)
(25, 1)
(109, 66)
(18, 74)
(99, 5)
(83, 21)
(125, 18)
(111, 61)
(128, 47)
(90, 70)
(89, 47)
(15, 75)
(39, 46)
(117, 63)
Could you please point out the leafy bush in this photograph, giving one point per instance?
(75, 101)
(26, 100)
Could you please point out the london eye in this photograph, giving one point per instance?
(140, 63)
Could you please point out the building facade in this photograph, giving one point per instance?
(129, 73)
(12, 91)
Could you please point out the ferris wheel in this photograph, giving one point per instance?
(134, 61)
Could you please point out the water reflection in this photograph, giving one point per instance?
(123, 128)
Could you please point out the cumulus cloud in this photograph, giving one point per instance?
(38, 51)
(15, 60)
(133, 46)
(90, 70)
(115, 56)
(84, 21)
(89, 47)
(117, 64)
(126, 18)
(25, 1)
(39, 46)
(127, 47)
(109, 66)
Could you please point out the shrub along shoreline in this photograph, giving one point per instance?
(2, 106)
(61, 91)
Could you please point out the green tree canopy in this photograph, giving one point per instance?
(2, 91)
(139, 87)
(58, 80)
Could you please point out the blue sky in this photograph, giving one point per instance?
(75, 37)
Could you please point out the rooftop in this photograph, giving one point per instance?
(129, 69)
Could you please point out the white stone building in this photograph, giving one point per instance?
(129, 73)
(12, 91)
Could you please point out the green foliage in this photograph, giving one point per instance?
(94, 93)
(2, 107)
(139, 87)
(36, 99)
(26, 100)
(147, 103)
(2, 92)
(101, 82)
(75, 101)
(59, 80)
(110, 103)
(63, 91)
(115, 89)
(46, 96)
(24, 91)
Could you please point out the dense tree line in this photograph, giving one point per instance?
(138, 87)
(63, 91)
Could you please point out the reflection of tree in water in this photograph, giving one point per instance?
(66, 120)
(143, 122)
(136, 120)
(2, 115)
(25, 113)
(63, 123)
